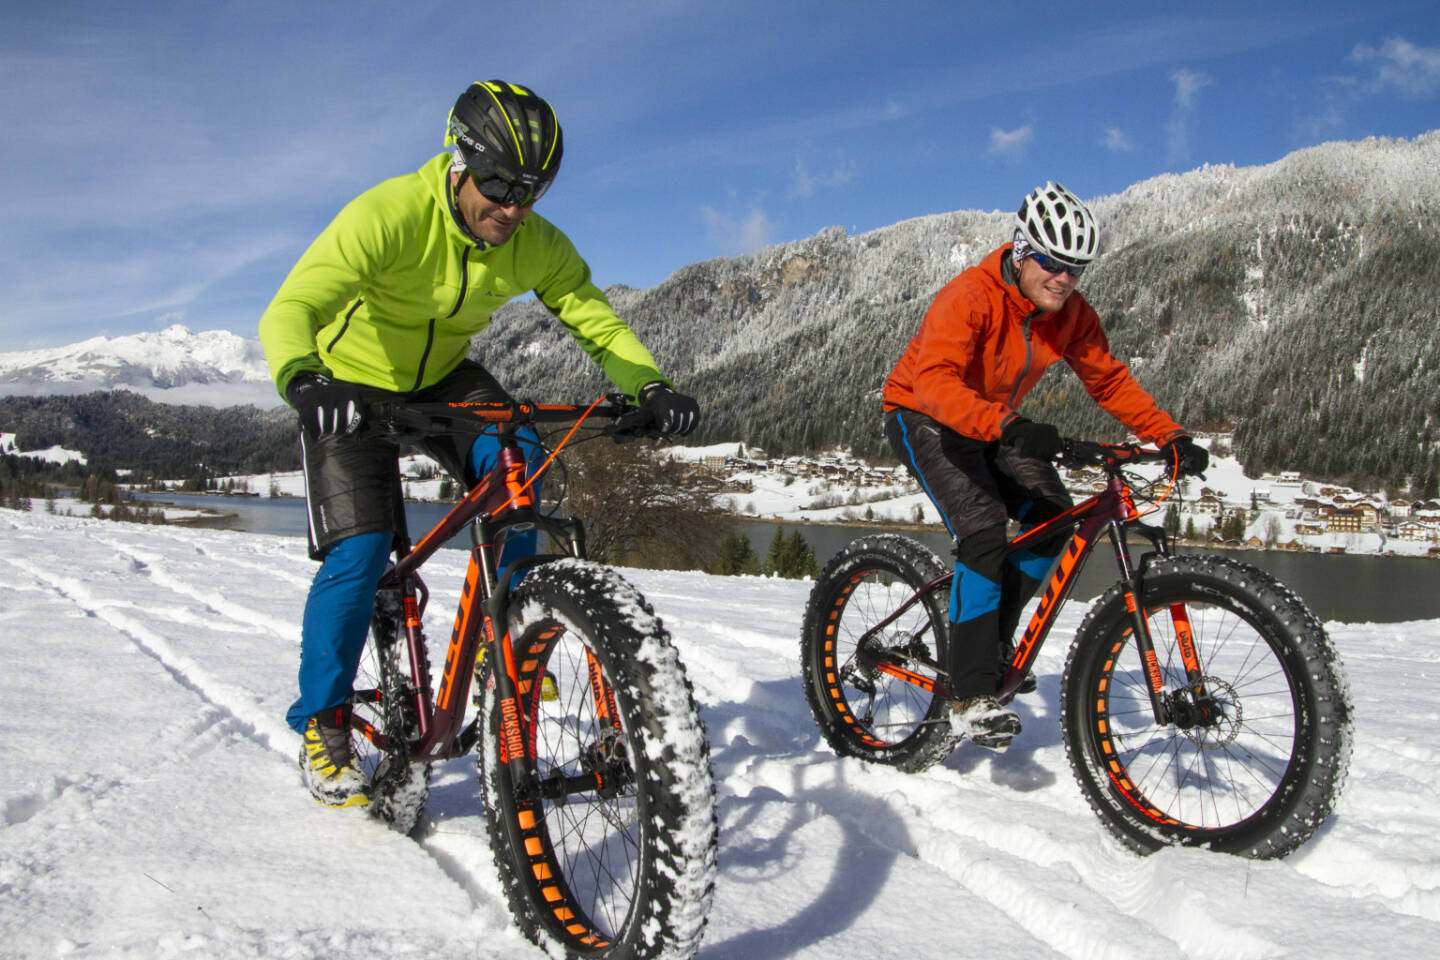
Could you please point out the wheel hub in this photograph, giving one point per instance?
(1211, 719)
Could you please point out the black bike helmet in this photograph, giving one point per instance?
(505, 131)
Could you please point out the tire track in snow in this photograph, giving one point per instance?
(259, 566)
(154, 566)
(239, 704)
(461, 859)
(980, 843)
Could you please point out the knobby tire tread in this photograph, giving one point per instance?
(911, 731)
(1311, 745)
(673, 829)
(398, 788)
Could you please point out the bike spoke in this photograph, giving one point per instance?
(871, 643)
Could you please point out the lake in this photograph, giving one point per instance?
(1350, 588)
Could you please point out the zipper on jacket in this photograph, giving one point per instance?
(330, 348)
(459, 302)
(1025, 331)
(425, 356)
(464, 282)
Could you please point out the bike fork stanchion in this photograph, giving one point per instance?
(1140, 623)
(1185, 640)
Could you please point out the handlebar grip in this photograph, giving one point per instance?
(397, 418)
(633, 424)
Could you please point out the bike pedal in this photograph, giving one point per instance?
(991, 742)
(548, 689)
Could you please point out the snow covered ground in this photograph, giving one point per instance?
(150, 806)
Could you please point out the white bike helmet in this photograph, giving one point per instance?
(1057, 224)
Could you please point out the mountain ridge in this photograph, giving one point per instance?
(1293, 302)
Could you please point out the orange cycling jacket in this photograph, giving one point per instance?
(982, 346)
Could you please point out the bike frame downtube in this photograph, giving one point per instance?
(1112, 509)
(1089, 516)
(497, 490)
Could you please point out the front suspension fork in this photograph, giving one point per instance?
(1132, 579)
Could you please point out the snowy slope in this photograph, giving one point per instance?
(150, 805)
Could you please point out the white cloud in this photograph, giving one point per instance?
(755, 231)
(740, 234)
(1117, 140)
(1401, 65)
(1188, 85)
(803, 183)
(1011, 143)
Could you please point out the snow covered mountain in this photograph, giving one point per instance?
(214, 367)
(1292, 303)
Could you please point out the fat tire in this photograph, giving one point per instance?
(1260, 780)
(664, 818)
(398, 788)
(883, 720)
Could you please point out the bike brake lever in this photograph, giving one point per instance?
(632, 425)
(397, 419)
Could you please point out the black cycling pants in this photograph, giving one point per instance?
(978, 486)
(352, 480)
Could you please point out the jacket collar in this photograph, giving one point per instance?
(1001, 271)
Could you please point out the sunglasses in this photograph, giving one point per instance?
(1052, 265)
(509, 193)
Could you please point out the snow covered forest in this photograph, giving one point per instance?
(1296, 302)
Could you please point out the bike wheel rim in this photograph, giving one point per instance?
(1204, 782)
(898, 709)
(584, 855)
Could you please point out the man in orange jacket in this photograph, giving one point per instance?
(950, 416)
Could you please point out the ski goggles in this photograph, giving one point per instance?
(1052, 265)
(510, 193)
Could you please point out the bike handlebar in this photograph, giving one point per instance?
(1110, 456)
(419, 419)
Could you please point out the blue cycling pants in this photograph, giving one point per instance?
(337, 610)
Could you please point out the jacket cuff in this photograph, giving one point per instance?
(310, 363)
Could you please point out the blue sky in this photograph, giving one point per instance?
(166, 162)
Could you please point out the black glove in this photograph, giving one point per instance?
(1031, 439)
(325, 406)
(1191, 457)
(675, 414)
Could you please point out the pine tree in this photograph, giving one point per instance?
(736, 557)
(799, 558)
(775, 555)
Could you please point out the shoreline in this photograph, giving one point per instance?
(221, 520)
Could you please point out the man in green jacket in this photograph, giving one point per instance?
(382, 306)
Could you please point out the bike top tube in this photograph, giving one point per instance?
(503, 487)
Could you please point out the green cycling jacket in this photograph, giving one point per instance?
(392, 290)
